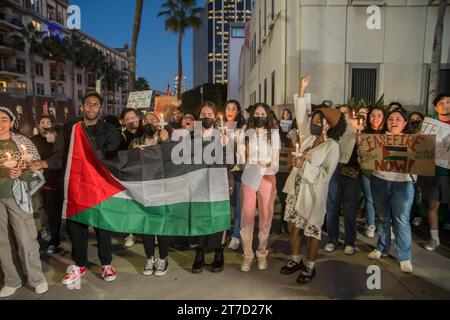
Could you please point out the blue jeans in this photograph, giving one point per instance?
(368, 203)
(237, 211)
(393, 202)
(343, 190)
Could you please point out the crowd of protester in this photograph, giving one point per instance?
(312, 195)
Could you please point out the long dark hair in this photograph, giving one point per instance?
(369, 128)
(208, 104)
(270, 119)
(404, 115)
(338, 130)
(240, 120)
(290, 114)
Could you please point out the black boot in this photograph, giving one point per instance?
(218, 260)
(199, 261)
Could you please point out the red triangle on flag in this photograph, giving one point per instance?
(88, 182)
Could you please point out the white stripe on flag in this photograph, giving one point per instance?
(204, 185)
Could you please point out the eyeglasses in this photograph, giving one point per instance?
(92, 104)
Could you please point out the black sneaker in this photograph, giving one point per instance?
(306, 276)
(292, 267)
(161, 267)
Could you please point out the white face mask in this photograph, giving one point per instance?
(51, 138)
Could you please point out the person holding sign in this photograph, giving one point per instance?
(375, 125)
(437, 190)
(307, 187)
(262, 148)
(393, 195)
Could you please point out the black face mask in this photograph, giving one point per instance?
(315, 129)
(207, 122)
(416, 124)
(260, 122)
(149, 129)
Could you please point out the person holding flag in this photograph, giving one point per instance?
(105, 140)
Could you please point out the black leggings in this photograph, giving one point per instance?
(163, 244)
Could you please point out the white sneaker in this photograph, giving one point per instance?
(129, 241)
(370, 231)
(246, 264)
(349, 250)
(42, 288)
(406, 266)
(234, 244)
(330, 247)
(149, 267)
(432, 244)
(417, 221)
(52, 249)
(262, 263)
(8, 291)
(161, 266)
(375, 255)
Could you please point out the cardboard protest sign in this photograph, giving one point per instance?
(442, 132)
(286, 159)
(165, 105)
(140, 99)
(409, 154)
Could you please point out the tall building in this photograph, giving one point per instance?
(331, 41)
(59, 87)
(211, 41)
(175, 85)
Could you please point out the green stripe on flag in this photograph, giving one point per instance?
(396, 158)
(128, 216)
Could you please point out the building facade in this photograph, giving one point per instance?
(331, 41)
(58, 94)
(211, 41)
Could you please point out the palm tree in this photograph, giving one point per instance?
(142, 84)
(435, 68)
(55, 48)
(75, 53)
(181, 15)
(136, 29)
(28, 35)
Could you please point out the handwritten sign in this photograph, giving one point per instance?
(442, 132)
(140, 99)
(409, 154)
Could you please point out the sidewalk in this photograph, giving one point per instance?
(338, 276)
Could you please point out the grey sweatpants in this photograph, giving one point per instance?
(24, 231)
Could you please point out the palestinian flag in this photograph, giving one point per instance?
(395, 153)
(144, 192)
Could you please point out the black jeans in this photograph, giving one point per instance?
(53, 208)
(163, 244)
(281, 181)
(79, 236)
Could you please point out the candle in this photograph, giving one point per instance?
(297, 147)
(26, 156)
(9, 163)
